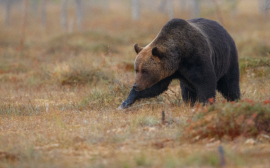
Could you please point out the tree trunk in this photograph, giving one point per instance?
(79, 13)
(195, 8)
(34, 6)
(135, 10)
(44, 12)
(234, 7)
(266, 8)
(23, 25)
(170, 9)
(106, 5)
(183, 5)
(162, 5)
(8, 10)
(64, 14)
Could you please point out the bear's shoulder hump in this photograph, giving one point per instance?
(175, 23)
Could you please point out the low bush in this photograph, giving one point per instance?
(247, 118)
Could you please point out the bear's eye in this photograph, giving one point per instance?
(136, 71)
(144, 71)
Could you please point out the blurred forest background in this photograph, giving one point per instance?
(40, 10)
(66, 65)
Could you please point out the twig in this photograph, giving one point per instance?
(221, 156)
(163, 118)
(23, 25)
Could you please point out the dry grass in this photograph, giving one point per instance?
(59, 97)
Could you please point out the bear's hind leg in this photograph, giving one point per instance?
(188, 95)
(229, 87)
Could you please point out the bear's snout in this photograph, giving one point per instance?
(135, 87)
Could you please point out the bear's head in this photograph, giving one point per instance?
(149, 66)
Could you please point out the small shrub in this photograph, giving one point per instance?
(247, 118)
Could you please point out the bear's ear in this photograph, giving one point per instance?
(157, 53)
(137, 48)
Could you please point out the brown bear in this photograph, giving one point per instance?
(199, 52)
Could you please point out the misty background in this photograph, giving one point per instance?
(74, 15)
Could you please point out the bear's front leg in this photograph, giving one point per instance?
(202, 78)
(130, 100)
(205, 88)
(205, 93)
(153, 91)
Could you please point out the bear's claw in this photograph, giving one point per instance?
(123, 106)
(120, 108)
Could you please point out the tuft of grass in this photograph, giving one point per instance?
(100, 99)
(257, 66)
(251, 47)
(20, 109)
(13, 68)
(170, 162)
(247, 118)
(142, 161)
(147, 121)
(82, 77)
(201, 159)
(92, 41)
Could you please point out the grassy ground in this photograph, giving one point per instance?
(59, 97)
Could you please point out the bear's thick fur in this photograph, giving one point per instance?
(199, 52)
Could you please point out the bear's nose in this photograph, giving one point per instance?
(135, 86)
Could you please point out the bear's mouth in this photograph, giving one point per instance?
(138, 89)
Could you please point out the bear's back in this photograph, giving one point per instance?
(220, 42)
